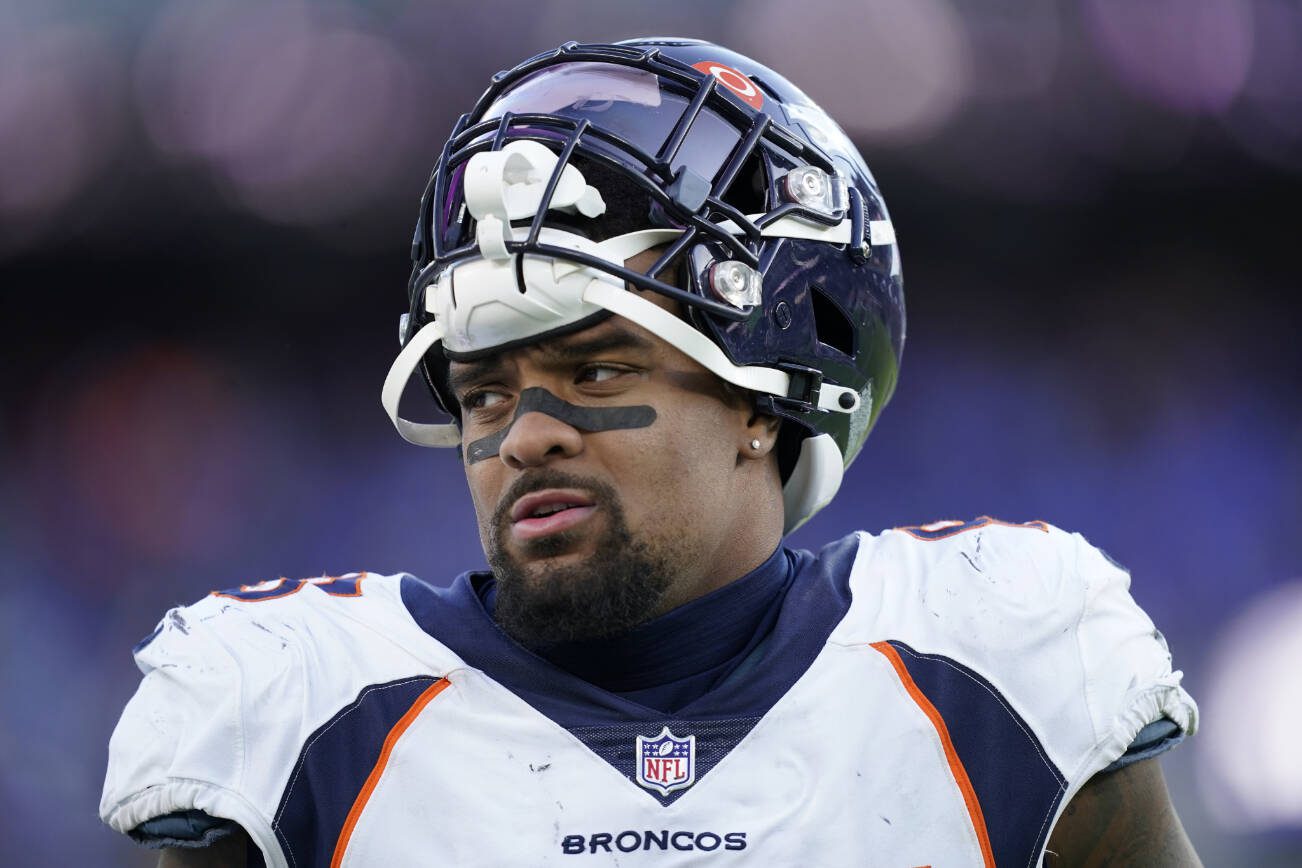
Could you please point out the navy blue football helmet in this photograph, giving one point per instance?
(784, 259)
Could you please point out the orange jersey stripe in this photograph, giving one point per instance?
(951, 755)
(359, 805)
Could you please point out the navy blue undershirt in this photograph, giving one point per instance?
(678, 657)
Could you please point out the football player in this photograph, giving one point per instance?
(658, 294)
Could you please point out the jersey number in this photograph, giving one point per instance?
(946, 529)
(349, 585)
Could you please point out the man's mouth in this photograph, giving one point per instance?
(549, 511)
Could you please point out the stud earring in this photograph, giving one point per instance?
(755, 444)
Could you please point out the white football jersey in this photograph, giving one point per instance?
(927, 696)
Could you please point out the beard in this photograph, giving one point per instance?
(620, 585)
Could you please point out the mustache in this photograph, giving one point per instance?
(602, 493)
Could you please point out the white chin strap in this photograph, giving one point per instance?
(503, 298)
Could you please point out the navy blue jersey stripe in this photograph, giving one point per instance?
(1018, 786)
(333, 766)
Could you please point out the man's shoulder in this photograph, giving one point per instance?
(955, 570)
(1034, 615)
(282, 635)
(1005, 599)
(1032, 562)
(284, 614)
(236, 684)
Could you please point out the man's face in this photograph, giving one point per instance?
(622, 483)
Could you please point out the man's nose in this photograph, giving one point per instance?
(536, 438)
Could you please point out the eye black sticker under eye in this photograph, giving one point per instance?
(539, 400)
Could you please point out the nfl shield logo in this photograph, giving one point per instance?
(665, 763)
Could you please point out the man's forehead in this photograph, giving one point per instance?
(612, 333)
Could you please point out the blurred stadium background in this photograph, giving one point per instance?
(204, 217)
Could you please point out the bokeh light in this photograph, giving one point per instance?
(60, 119)
(144, 450)
(1015, 49)
(1188, 57)
(303, 113)
(892, 71)
(1250, 759)
(1267, 118)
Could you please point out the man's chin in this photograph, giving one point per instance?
(575, 577)
(541, 553)
(540, 570)
(575, 585)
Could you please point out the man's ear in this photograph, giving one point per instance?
(759, 436)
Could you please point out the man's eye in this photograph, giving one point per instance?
(482, 400)
(599, 373)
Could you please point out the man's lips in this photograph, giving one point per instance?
(549, 511)
(547, 500)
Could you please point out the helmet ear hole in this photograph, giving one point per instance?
(833, 328)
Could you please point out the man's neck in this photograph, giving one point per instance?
(674, 658)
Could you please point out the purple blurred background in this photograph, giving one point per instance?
(204, 220)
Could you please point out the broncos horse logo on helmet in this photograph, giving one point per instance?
(788, 273)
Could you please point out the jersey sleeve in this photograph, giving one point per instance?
(1128, 681)
(1044, 620)
(182, 743)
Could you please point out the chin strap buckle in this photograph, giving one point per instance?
(805, 387)
(808, 390)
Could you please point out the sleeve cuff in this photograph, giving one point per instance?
(1153, 740)
(182, 796)
(190, 830)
